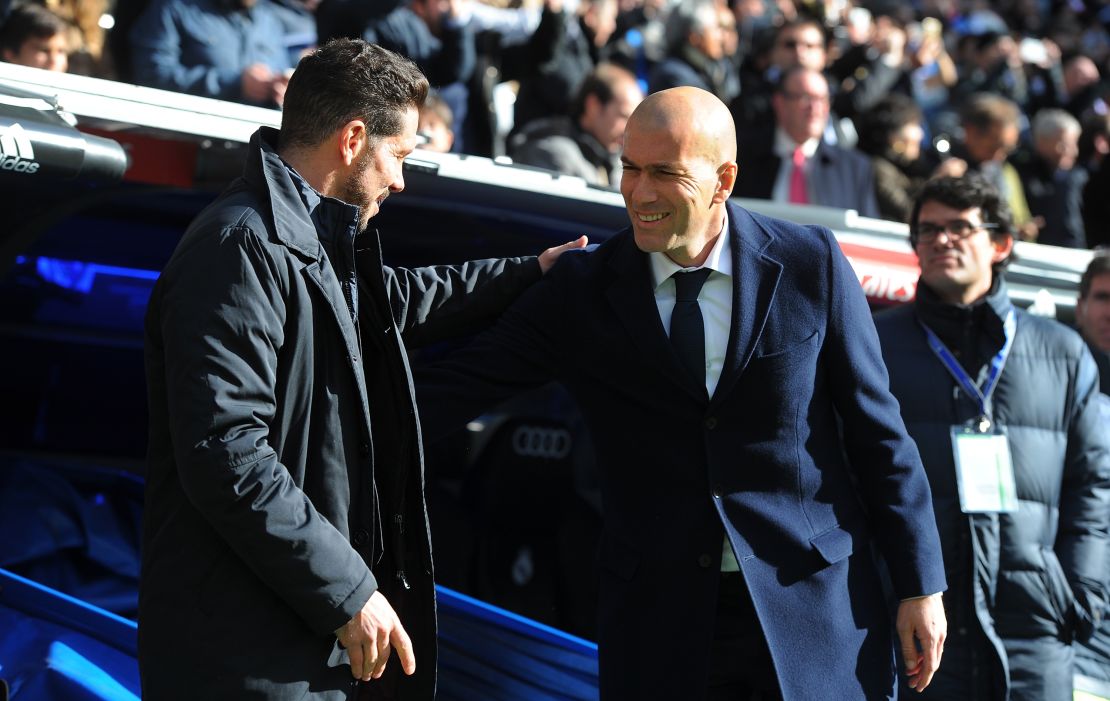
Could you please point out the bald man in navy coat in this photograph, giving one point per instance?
(740, 503)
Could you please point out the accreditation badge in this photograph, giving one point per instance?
(984, 471)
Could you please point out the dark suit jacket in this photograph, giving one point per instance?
(800, 458)
(838, 177)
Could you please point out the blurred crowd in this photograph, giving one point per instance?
(845, 103)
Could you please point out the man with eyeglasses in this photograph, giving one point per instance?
(1004, 407)
(797, 165)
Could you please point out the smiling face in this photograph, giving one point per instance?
(677, 175)
(958, 270)
(378, 169)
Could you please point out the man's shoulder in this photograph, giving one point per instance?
(780, 237)
(850, 158)
(892, 323)
(237, 215)
(1049, 337)
(596, 261)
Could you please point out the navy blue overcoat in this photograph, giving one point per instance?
(800, 458)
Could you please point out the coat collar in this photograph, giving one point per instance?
(755, 277)
(949, 320)
(301, 215)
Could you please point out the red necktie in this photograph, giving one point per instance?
(798, 193)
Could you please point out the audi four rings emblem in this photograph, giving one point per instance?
(536, 442)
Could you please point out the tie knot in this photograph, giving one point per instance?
(688, 285)
(799, 157)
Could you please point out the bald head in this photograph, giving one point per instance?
(689, 116)
(679, 170)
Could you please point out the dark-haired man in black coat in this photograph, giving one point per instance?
(286, 552)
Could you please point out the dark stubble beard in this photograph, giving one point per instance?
(353, 191)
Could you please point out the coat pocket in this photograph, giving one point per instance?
(833, 545)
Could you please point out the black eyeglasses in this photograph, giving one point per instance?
(805, 99)
(957, 230)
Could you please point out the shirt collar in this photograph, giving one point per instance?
(719, 259)
(784, 145)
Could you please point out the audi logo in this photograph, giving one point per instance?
(536, 442)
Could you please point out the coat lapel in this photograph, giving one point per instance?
(633, 298)
(755, 277)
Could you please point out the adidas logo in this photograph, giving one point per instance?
(16, 152)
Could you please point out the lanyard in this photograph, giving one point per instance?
(981, 395)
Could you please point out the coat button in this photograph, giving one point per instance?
(365, 449)
(711, 423)
(360, 538)
(705, 561)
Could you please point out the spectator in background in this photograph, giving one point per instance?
(437, 124)
(588, 142)
(891, 135)
(34, 36)
(800, 42)
(433, 34)
(933, 72)
(870, 70)
(991, 129)
(298, 22)
(1092, 317)
(696, 56)
(991, 64)
(551, 65)
(876, 63)
(1052, 183)
(1024, 547)
(797, 165)
(86, 35)
(226, 49)
(1094, 155)
(1081, 85)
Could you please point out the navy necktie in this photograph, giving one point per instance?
(687, 327)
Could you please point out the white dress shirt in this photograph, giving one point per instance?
(784, 149)
(715, 301)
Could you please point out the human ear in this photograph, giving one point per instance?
(726, 181)
(352, 140)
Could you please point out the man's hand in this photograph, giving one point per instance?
(950, 168)
(370, 635)
(548, 257)
(256, 82)
(921, 624)
(277, 88)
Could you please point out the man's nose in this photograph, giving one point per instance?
(642, 191)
